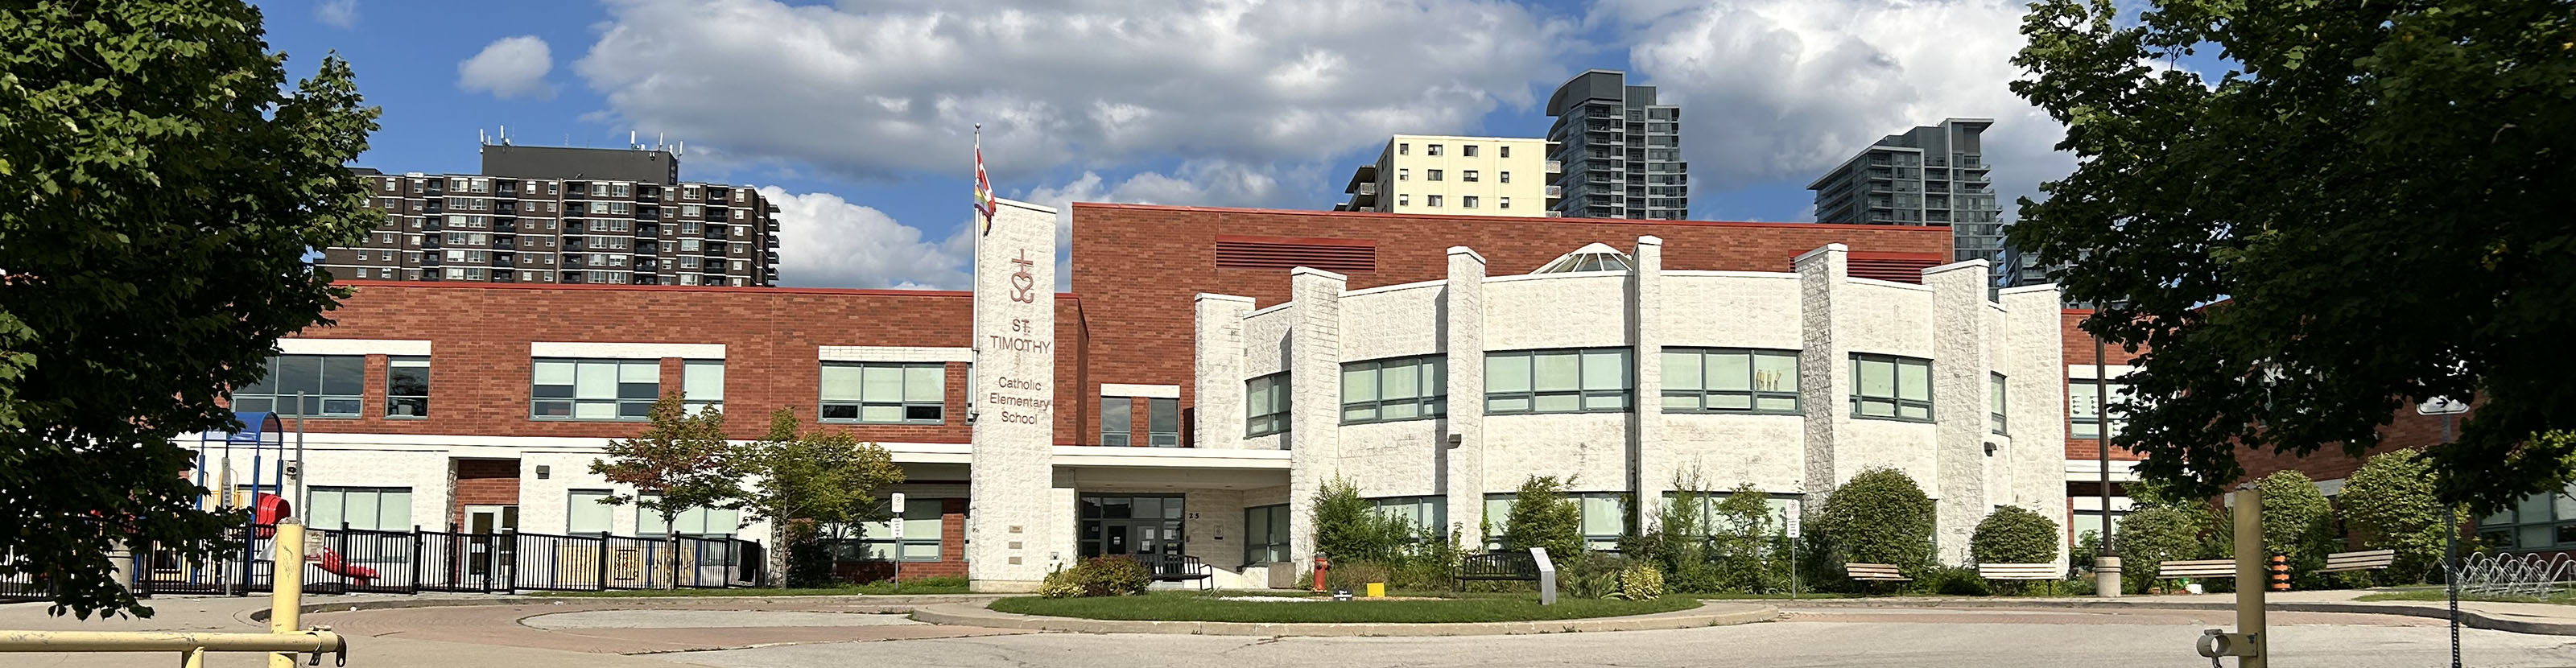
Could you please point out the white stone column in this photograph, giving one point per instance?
(2035, 399)
(1217, 416)
(1959, 405)
(1824, 363)
(1462, 308)
(1649, 468)
(1010, 480)
(1314, 399)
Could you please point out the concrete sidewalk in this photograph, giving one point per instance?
(2533, 618)
(228, 614)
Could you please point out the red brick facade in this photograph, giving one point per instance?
(483, 482)
(2079, 350)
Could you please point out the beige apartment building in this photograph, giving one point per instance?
(1477, 176)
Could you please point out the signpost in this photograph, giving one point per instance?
(2448, 408)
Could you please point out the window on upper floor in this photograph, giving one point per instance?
(1431, 200)
(1505, 177)
(1403, 199)
(1730, 380)
(885, 393)
(1265, 405)
(407, 387)
(2084, 408)
(593, 389)
(1403, 174)
(1468, 201)
(702, 385)
(1468, 150)
(1468, 176)
(1558, 381)
(1117, 421)
(1431, 174)
(1402, 148)
(333, 386)
(1432, 149)
(1163, 422)
(1889, 387)
(1995, 421)
(1502, 202)
(1503, 151)
(1399, 388)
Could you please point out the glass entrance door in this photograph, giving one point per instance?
(1132, 524)
(492, 551)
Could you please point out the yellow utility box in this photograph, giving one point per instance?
(1377, 590)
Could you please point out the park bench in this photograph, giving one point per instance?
(2365, 560)
(2197, 568)
(2042, 571)
(1504, 566)
(1875, 573)
(1178, 568)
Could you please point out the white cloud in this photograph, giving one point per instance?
(827, 241)
(1775, 90)
(887, 87)
(336, 13)
(509, 67)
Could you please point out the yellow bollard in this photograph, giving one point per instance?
(1377, 590)
(286, 589)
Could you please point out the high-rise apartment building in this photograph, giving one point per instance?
(564, 215)
(1622, 152)
(1934, 175)
(1482, 176)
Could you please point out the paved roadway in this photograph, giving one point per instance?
(1872, 638)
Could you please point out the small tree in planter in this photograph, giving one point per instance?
(680, 462)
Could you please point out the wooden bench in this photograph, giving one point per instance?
(1177, 568)
(2200, 568)
(2020, 571)
(1875, 573)
(2365, 560)
(1503, 566)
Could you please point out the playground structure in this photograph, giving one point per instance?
(285, 639)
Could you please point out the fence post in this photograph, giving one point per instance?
(603, 562)
(415, 559)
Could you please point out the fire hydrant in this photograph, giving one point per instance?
(1321, 565)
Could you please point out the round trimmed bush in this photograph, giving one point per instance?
(2155, 534)
(1880, 517)
(2014, 535)
(2390, 505)
(2299, 524)
(1058, 584)
(1110, 576)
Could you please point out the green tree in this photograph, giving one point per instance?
(2297, 521)
(2390, 505)
(1543, 517)
(2377, 191)
(1880, 517)
(1348, 527)
(809, 479)
(2151, 535)
(164, 184)
(2014, 535)
(680, 462)
(1747, 542)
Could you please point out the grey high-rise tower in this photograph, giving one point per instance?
(1933, 175)
(1621, 151)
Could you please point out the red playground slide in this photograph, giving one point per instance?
(331, 563)
(267, 509)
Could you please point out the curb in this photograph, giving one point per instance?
(1708, 614)
(2468, 618)
(895, 602)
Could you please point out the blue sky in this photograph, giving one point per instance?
(856, 112)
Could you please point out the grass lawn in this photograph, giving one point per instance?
(923, 586)
(2438, 594)
(1195, 606)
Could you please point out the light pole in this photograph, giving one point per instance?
(2106, 562)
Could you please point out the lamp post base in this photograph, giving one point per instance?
(2106, 577)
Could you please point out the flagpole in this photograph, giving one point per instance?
(974, 282)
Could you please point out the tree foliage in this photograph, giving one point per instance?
(2389, 504)
(1543, 517)
(2297, 521)
(2014, 535)
(163, 185)
(808, 479)
(1879, 517)
(680, 462)
(2377, 191)
(2153, 534)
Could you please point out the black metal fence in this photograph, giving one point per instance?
(419, 560)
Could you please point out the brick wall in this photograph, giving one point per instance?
(2406, 429)
(952, 553)
(483, 482)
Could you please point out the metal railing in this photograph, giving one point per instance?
(420, 560)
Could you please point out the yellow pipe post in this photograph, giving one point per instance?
(286, 588)
(167, 641)
(2249, 578)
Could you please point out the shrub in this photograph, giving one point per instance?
(1590, 575)
(2299, 524)
(1110, 576)
(1059, 584)
(1355, 575)
(1640, 582)
(2390, 505)
(1350, 527)
(1542, 517)
(1951, 581)
(2153, 534)
(2014, 535)
(1880, 517)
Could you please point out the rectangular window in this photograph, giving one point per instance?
(1163, 422)
(1470, 152)
(1401, 388)
(1468, 201)
(1558, 381)
(885, 393)
(2084, 408)
(1505, 177)
(1434, 149)
(1266, 405)
(1431, 200)
(1604, 518)
(1431, 175)
(1265, 534)
(1403, 199)
(583, 512)
(1403, 174)
(370, 508)
(407, 387)
(1995, 403)
(920, 541)
(593, 389)
(1502, 202)
(1468, 176)
(1506, 151)
(1423, 512)
(1730, 380)
(699, 521)
(702, 385)
(1889, 387)
(332, 386)
(1116, 420)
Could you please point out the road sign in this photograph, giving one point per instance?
(2442, 406)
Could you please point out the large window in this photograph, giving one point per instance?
(2536, 522)
(581, 389)
(882, 393)
(1605, 518)
(583, 512)
(702, 385)
(407, 387)
(1265, 405)
(1117, 421)
(1163, 422)
(375, 508)
(1725, 380)
(1402, 388)
(332, 386)
(1558, 381)
(1888, 387)
(919, 519)
(1708, 502)
(1265, 534)
(1423, 512)
(1995, 403)
(2084, 408)
(699, 521)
